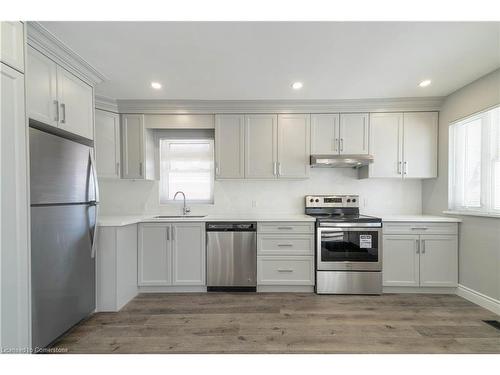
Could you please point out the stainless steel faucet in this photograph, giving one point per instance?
(185, 210)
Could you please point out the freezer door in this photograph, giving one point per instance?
(62, 269)
(60, 170)
(231, 259)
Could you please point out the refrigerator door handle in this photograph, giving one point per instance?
(94, 176)
(94, 232)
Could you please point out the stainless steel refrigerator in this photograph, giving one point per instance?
(64, 208)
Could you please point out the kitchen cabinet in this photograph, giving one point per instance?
(171, 254)
(14, 223)
(293, 146)
(12, 44)
(346, 133)
(58, 98)
(137, 149)
(261, 152)
(229, 146)
(413, 258)
(404, 145)
(107, 144)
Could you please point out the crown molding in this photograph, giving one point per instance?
(47, 43)
(279, 106)
(106, 104)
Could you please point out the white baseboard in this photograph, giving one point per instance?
(417, 289)
(479, 299)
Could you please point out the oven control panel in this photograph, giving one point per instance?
(332, 201)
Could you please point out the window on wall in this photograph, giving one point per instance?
(474, 163)
(188, 166)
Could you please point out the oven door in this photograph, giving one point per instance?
(349, 249)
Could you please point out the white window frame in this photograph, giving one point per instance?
(212, 172)
(487, 171)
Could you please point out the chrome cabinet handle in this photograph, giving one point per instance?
(399, 167)
(118, 169)
(285, 227)
(285, 244)
(56, 118)
(417, 245)
(168, 233)
(63, 109)
(140, 169)
(423, 246)
(216, 168)
(341, 144)
(335, 145)
(419, 228)
(285, 270)
(405, 169)
(279, 169)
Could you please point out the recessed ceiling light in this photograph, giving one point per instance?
(156, 85)
(425, 83)
(297, 85)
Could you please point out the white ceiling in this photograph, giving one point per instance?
(260, 60)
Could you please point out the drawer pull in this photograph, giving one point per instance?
(285, 227)
(285, 244)
(285, 270)
(419, 228)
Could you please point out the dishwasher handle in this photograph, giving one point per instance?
(231, 226)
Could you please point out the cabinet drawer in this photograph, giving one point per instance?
(420, 228)
(279, 244)
(278, 270)
(286, 227)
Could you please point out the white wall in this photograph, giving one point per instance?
(479, 241)
(382, 196)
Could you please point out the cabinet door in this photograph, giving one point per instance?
(400, 260)
(132, 142)
(107, 144)
(12, 44)
(14, 222)
(420, 144)
(76, 104)
(353, 133)
(41, 87)
(324, 134)
(229, 146)
(293, 146)
(438, 261)
(155, 254)
(386, 140)
(260, 146)
(188, 254)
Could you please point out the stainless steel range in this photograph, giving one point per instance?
(348, 246)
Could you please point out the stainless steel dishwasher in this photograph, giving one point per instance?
(231, 256)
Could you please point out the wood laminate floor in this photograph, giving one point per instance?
(288, 323)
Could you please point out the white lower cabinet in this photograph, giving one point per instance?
(421, 260)
(285, 270)
(171, 254)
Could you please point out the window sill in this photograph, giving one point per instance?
(467, 213)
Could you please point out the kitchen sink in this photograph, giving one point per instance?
(179, 216)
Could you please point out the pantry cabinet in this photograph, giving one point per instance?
(12, 44)
(404, 145)
(107, 144)
(414, 258)
(346, 133)
(58, 98)
(229, 146)
(171, 254)
(137, 149)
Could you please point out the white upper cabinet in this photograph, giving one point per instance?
(404, 145)
(58, 98)
(353, 134)
(293, 145)
(12, 44)
(76, 104)
(133, 146)
(261, 146)
(324, 133)
(229, 146)
(420, 144)
(42, 104)
(107, 144)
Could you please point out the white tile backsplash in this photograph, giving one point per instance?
(377, 196)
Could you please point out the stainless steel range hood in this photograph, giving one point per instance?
(340, 161)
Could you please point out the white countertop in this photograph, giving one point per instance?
(420, 218)
(118, 220)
